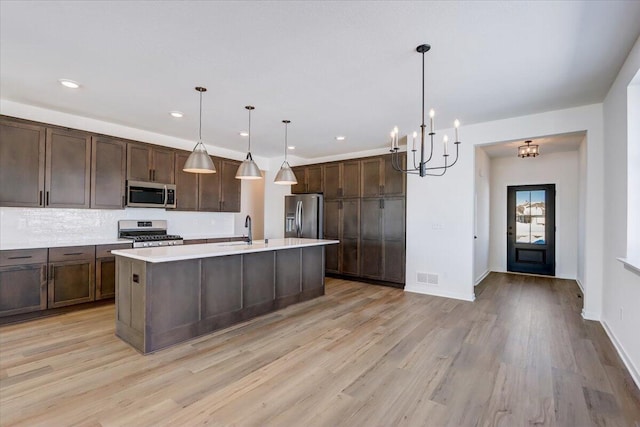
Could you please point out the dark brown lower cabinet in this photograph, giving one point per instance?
(23, 281)
(106, 270)
(341, 222)
(382, 239)
(71, 275)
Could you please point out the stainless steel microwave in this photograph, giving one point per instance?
(150, 195)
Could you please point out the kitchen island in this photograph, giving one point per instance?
(170, 294)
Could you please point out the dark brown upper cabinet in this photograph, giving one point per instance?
(301, 186)
(208, 192)
(230, 186)
(209, 189)
(342, 179)
(395, 182)
(22, 159)
(67, 169)
(108, 172)
(332, 181)
(186, 184)
(309, 179)
(379, 178)
(147, 162)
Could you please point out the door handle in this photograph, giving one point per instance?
(40, 199)
(47, 202)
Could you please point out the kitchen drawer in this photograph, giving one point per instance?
(71, 253)
(23, 257)
(104, 251)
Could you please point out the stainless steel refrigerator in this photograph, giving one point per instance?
(303, 216)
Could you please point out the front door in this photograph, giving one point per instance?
(531, 229)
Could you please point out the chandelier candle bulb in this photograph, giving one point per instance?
(456, 124)
(395, 134)
(445, 140)
(415, 135)
(391, 135)
(431, 115)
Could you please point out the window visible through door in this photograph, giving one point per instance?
(531, 229)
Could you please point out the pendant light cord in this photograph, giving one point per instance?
(285, 141)
(422, 97)
(200, 128)
(249, 131)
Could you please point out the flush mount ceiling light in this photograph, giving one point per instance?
(285, 175)
(69, 83)
(176, 114)
(528, 150)
(248, 168)
(244, 134)
(340, 138)
(291, 147)
(421, 168)
(199, 160)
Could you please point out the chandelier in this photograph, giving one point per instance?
(528, 150)
(423, 168)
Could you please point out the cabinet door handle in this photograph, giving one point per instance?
(20, 257)
(51, 272)
(381, 203)
(40, 199)
(73, 253)
(150, 174)
(47, 202)
(123, 201)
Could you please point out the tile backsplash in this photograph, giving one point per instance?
(55, 225)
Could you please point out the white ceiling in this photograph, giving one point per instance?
(547, 145)
(332, 68)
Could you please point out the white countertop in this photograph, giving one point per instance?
(57, 243)
(206, 250)
(48, 242)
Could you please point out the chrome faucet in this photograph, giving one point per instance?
(247, 224)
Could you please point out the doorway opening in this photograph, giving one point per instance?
(531, 229)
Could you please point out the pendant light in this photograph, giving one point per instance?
(248, 168)
(199, 160)
(285, 175)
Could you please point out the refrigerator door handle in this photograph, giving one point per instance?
(301, 219)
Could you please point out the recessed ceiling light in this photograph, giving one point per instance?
(176, 114)
(69, 83)
(340, 138)
(291, 147)
(244, 133)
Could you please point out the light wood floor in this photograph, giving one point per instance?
(362, 355)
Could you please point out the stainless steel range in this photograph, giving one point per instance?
(147, 233)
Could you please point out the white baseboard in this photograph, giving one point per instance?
(430, 290)
(590, 315)
(481, 278)
(580, 285)
(635, 374)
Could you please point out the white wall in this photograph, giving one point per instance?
(582, 212)
(252, 203)
(560, 169)
(621, 302)
(440, 211)
(482, 216)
